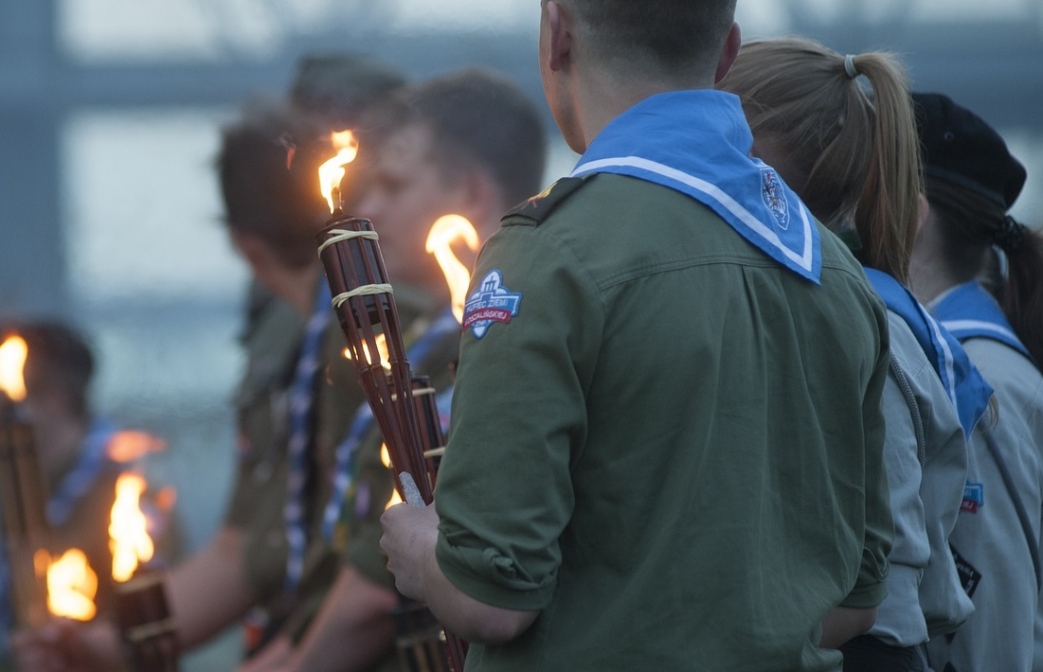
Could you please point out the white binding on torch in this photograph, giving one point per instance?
(340, 235)
(364, 290)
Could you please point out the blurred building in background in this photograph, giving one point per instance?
(109, 120)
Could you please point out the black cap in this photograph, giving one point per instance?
(959, 147)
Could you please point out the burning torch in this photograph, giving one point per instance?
(363, 301)
(26, 531)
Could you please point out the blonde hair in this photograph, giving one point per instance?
(852, 156)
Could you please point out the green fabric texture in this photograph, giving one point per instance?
(673, 451)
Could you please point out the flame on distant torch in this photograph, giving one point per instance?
(13, 353)
(332, 172)
(128, 446)
(128, 531)
(382, 352)
(444, 233)
(71, 586)
(385, 457)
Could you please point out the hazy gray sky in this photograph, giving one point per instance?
(205, 28)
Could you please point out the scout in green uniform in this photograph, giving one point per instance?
(273, 214)
(652, 466)
(445, 144)
(73, 446)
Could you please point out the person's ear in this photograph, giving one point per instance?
(559, 36)
(729, 53)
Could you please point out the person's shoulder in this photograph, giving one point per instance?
(538, 209)
(1003, 366)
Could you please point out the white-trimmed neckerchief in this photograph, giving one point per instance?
(967, 389)
(969, 311)
(698, 143)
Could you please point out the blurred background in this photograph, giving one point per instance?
(110, 113)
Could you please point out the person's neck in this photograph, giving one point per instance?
(66, 440)
(929, 278)
(297, 288)
(603, 95)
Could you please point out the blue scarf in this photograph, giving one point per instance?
(967, 389)
(969, 311)
(302, 397)
(698, 143)
(91, 461)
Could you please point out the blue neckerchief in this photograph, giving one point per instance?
(443, 326)
(969, 311)
(698, 143)
(968, 391)
(90, 462)
(302, 394)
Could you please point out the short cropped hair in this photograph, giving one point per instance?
(269, 185)
(58, 359)
(670, 36)
(481, 119)
(339, 87)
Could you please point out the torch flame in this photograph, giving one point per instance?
(332, 172)
(71, 586)
(127, 446)
(13, 353)
(382, 352)
(128, 531)
(443, 233)
(385, 457)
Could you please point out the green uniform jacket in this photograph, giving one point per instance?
(672, 449)
(260, 492)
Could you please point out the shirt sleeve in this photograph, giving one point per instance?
(519, 418)
(870, 587)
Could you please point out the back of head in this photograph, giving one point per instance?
(851, 154)
(972, 180)
(268, 181)
(339, 87)
(665, 38)
(481, 120)
(59, 361)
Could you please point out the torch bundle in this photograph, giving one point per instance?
(364, 303)
(26, 531)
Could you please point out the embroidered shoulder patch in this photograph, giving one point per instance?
(973, 497)
(491, 303)
(539, 207)
(775, 197)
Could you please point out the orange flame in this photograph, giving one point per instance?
(13, 353)
(332, 172)
(444, 233)
(128, 531)
(385, 457)
(127, 446)
(382, 352)
(71, 586)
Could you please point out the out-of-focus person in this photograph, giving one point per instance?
(467, 143)
(81, 456)
(972, 181)
(851, 153)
